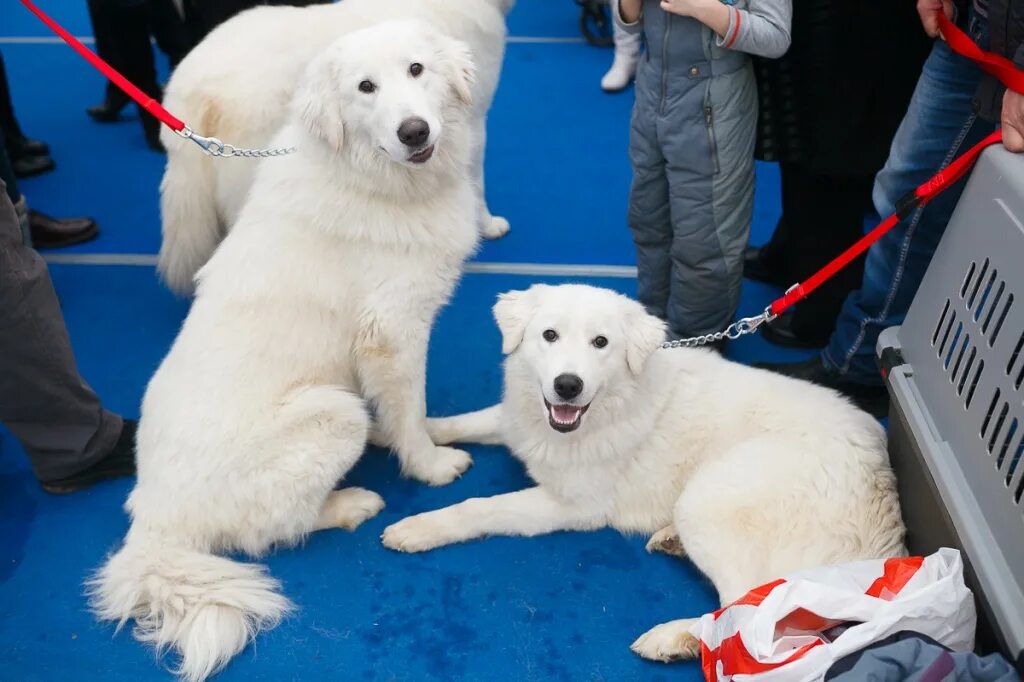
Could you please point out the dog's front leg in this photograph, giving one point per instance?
(533, 511)
(392, 372)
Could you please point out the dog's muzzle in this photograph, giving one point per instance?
(565, 418)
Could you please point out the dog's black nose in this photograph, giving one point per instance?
(568, 386)
(414, 132)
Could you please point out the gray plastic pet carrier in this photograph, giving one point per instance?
(955, 372)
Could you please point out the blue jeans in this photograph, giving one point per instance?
(940, 124)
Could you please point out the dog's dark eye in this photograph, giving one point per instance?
(600, 342)
(550, 335)
(367, 87)
(415, 69)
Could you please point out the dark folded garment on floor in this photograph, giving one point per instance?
(913, 657)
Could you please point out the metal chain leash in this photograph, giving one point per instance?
(214, 147)
(748, 325)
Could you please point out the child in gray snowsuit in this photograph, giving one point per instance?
(692, 149)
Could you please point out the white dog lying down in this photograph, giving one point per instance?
(751, 474)
(237, 83)
(326, 289)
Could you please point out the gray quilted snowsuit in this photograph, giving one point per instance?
(692, 149)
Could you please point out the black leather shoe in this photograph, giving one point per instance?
(872, 399)
(27, 166)
(51, 233)
(19, 145)
(780, 332)
(756, 268)
(120, 462)
(106, 111)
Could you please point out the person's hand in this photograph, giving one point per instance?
(927, 9)
(687, 8)
(1012, 120)
(712, 13)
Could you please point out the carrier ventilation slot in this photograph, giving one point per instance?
(999, 322)
(998, 428)
(945, 334)
(974, 384)
(953, 345)
(977, 285)
(1012, 364)
(967, 279)
(967, 371)
(1010, 433)
(960, 358)
(942, 318)
(988, 414)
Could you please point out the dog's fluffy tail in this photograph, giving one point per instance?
(206, 607)
(188, 206)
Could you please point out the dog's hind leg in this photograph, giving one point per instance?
(349, 507)
(308, 445)
(483, 426)
(666, 541)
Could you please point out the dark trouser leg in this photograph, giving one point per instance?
(43, 400)
(649, 218)
(826, 216)
(7, 119)
(122, 39)
(105, 30)
(168, 28)
(7, 174)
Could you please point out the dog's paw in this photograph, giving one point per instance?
(494, 227)
(666, 541)
(416, 534)
(349, 507)
(668, 642)
(441, 466)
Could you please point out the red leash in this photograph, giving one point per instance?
(211, 145)
(998, 66)
(144, 100)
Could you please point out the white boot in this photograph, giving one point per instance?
(627, 54)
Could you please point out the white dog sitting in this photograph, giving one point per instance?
(236, 85)
(750, 474)
(323, 295)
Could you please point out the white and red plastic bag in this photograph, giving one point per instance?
(793, 629)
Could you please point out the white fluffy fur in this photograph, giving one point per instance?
(323, 295)
(750, 474)
(236, 85)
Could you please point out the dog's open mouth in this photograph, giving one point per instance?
(423, 155)
(565, 418)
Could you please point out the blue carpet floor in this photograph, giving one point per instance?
(562, 607)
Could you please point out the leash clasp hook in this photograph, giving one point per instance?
(211, 145)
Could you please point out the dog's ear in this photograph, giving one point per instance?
(317, 103)
(513, 313)
(644, 334)
(460, 68)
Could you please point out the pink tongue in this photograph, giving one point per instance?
(565, 413)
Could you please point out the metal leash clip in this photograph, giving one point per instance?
(748, 325)
(214, 147)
